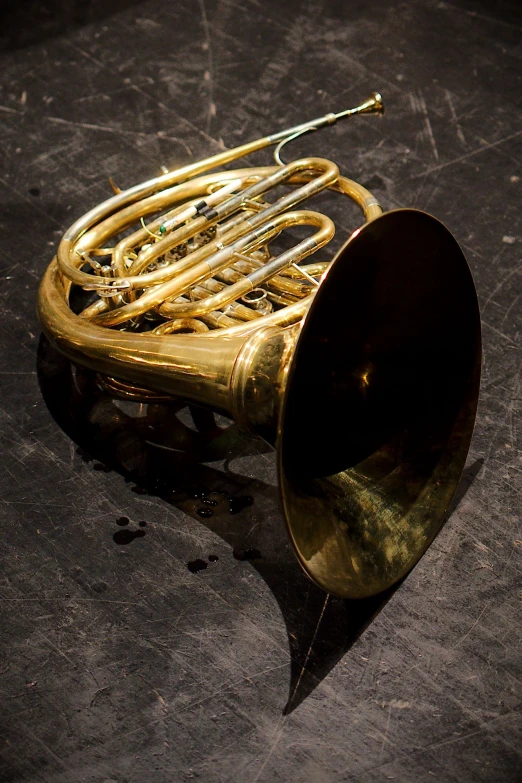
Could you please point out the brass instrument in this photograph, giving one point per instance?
(364, 372)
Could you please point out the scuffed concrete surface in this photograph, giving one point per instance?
(120, 664)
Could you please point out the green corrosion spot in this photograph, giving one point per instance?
(162, 229)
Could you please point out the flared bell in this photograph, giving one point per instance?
(379, 405)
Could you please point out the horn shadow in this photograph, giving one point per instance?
(161, 455)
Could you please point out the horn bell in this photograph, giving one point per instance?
(380, 403)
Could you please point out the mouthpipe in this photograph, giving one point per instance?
(373, 105)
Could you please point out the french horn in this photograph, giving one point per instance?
(362, 371)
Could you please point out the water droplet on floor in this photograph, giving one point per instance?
(235, 505)
(197, 565)
(123, 537)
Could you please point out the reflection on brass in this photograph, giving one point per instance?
(363, 372)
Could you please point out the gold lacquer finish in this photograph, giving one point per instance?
(363, 372)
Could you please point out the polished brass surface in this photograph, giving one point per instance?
(363, 372)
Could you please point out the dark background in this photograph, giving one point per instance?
(121, 663)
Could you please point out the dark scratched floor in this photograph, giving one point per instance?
(144, 639)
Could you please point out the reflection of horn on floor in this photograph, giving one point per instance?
(163, 456)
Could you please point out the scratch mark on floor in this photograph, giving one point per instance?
(463, 638)
(385, 736)
(468, 155)
(475, 15)
(429, 129)
(508, 311)
(275, 742)
(121, 132)
(46, 747)
(454, 119)
(208, 48)
(307, 657)
(149, 97)
(497, 288)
